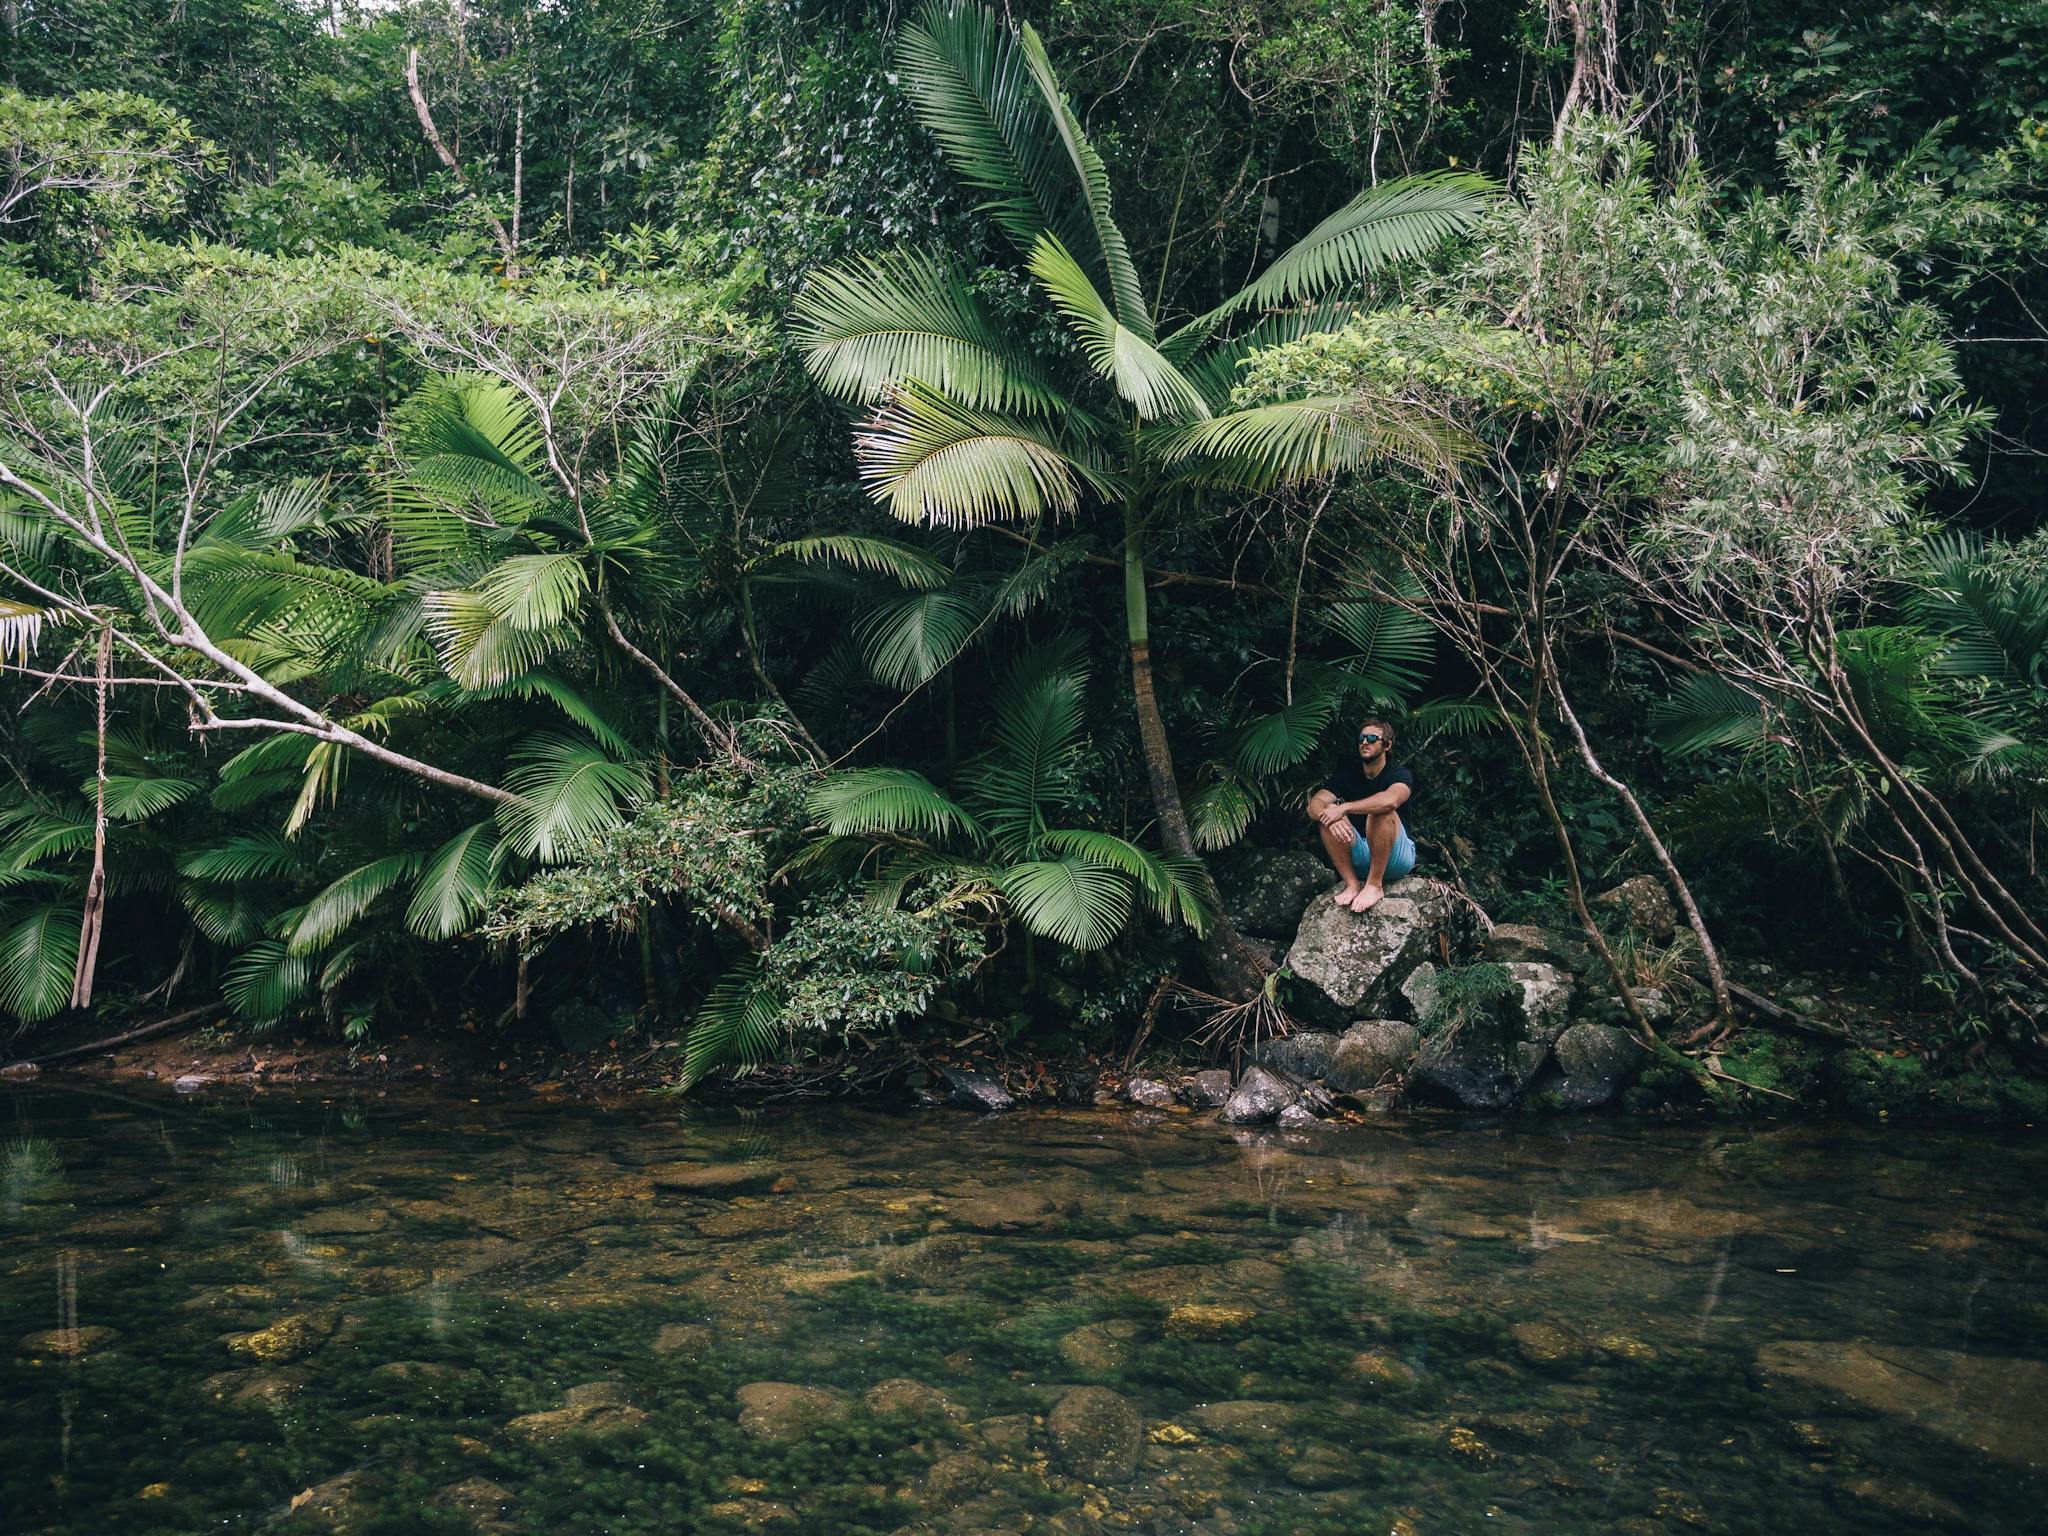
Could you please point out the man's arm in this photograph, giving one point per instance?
(1392, 798)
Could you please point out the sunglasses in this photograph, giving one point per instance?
(1368, 738)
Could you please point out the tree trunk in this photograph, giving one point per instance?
(96, 885)
(1237, 968)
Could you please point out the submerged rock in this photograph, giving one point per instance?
(1204, 1320)
(1096, 1435)
(1297, 1117)
(1997, 1406)
(1100, 1347)
(910, 1398)
(976, 1090)
(1148, 1092)
(335, 1506)
(287, 1339)
(717, 1181)
(593, 1408)
(69, 1342)
(1208, 1090)
(479, 1501)
(1348, 961)
(266, 1389)
(1241, 1420)
(1371, 1050)
(783, 1410)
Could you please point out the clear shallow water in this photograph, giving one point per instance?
(384, 1315)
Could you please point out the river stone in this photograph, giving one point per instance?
(1297, 1117)
(287, 1339)
(909, 1398)
(1546, 999)
(683, 1338)
(589, 1408)
(716, 1181)
(1645, 906)
(1208, 1090)
(1546, 1344)
(1347, 962)
(1609, 1009)
(782, 1410)
(1597, 1062)
(334, 1507)
(956, 1477)
(1148, 1092)
(1997, 1406)
(1513, 942)
(68, 1341)
(479, 1501)
(1208, 1320)
(1260, 1096)
(1243, 1420)
(1096, 1435)
(1100, 1347)
(1010, 1208)
(1322, 1466)
(264, 1388)
(1370, 1050)
(1264, 890)
(1305, 1053)
(976, 1090)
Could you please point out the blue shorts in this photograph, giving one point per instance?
(1400, 861)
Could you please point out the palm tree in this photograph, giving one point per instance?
(968, 425)
(1002, 843)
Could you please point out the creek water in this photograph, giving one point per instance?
(395, 1315)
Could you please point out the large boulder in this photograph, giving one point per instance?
(1370, 1051)
(1350, 964)
(976, 1090)
(1260, 1096)
(1208, 1090)
(1645, 906)
(1148, 1092)
(1264, 889)
(1418, 991)
(1305, 1053)
(1597, 1062)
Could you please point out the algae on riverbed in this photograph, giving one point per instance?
(1062, 1322)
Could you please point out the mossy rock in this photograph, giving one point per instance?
(1876, 1083)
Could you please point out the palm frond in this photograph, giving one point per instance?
(738, 1024)
(549, 688)
(910, 640)
(1071, 901)
(21, 628)
(246, 856)
(135, 797)
(1706, 713)
(38, 955)
(266, 981)
(1451, 717)
(1283, 738)
(1176, 888)
(229, 915)
(869, 324)
(1030, 767)
(908, 565)
(1391, 647)
(568, 791)
(334, 909)
(1151, 385)
(482, 647)
(929, 459)
(866, 801)
(1395, 221)
(1996, 622)
(975, 90)
(1221, 812)
(456, 883)
(1290, 441)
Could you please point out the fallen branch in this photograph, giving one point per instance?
(189, 1016)
(1786, 1018)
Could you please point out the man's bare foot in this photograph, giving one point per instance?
(1367, 898)
(1343, 897)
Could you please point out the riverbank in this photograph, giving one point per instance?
(1884, 1066)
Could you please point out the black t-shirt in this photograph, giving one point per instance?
(1347, 781)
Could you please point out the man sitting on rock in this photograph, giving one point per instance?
(1361, 810)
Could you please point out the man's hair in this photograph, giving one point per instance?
(1386, 726)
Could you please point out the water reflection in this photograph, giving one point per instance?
(384, 1316)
